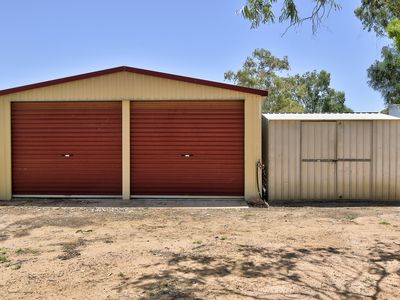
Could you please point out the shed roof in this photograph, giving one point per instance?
(329, 116)
(137, 71)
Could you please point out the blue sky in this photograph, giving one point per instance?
(47, 39)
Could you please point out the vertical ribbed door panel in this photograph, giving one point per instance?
(66, 148)
(191, 148)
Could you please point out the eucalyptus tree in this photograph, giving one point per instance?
(309, 92)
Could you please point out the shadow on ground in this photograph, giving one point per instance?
(186, 203)
(299, 273)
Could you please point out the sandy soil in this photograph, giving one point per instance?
(139, 253)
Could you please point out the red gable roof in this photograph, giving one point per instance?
(137, 71)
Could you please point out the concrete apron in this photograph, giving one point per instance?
(136, 202)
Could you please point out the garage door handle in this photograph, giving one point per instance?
(67, 155)
(187, 155)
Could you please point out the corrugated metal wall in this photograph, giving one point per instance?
(5, 149)
(386, 160)
(354, 155)
(318, 152)
(354, 139)
(332, 160)
(283, 160)
(124, 85)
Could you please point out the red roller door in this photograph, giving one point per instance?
(187, 148)
(66, 148)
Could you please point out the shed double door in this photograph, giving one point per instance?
(336, 160)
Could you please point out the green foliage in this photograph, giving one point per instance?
(259, 70)
(282, 94)
(385, 111)
(262, 12)
(309, 92)
(385, 223)
(318, 95)
(3, 259)
(377, 14)
(393, 30)
(382, 16)
(23, 251)
(384, 76)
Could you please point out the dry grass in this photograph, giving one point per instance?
(128, 253)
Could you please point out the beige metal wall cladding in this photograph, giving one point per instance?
(5, 150)
(386, 160)
(327, 160)
(283, 164)
(354, 148)
(127, 86)
(318, 153)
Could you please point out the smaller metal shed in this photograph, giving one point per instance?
(331, 156)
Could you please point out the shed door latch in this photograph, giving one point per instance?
(187, 155)
(67, 155)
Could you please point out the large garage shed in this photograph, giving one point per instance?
(331, 156)
(127, 132)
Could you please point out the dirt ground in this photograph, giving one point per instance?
(236, 253)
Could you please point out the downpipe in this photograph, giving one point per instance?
(262, 193)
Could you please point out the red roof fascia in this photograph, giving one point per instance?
(137, 71)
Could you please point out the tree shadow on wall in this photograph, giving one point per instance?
(267, 273)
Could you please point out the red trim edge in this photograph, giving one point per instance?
(137, 71)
